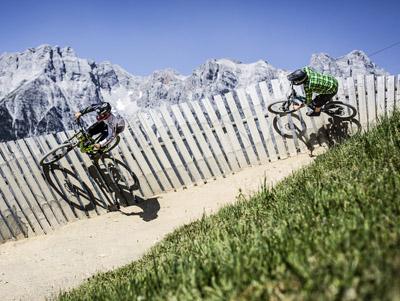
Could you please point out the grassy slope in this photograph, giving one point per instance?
(330, 231)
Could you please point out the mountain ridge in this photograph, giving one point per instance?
(41, 87)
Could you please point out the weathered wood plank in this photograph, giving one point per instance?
(171, 149)
(205, 147)
(59, 179)
(241, 131)
(213, 143)
(353, 102)
(285, 120)
(160, 152)
(183, 150)
(49, 199)
(195, 150)
(139, 158)
(240, 155)
(11, 192)
(380, 96)
(362, 101)
(264, 127)
(371, 100)
(144, 183)
(14, 221)
(32, 192)
(276, 138)
(148, 152)
(93, 198)
(255, 134)
(36, 154)
(390, 94)
(222, 136)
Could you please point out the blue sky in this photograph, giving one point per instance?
(143, 36)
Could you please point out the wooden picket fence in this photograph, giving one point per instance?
(173, 147)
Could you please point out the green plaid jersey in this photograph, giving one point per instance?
(318, 83)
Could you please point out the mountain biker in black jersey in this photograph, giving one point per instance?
(314, 82)
(108, 125)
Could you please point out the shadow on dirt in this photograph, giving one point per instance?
(334, 132)
(109, 184)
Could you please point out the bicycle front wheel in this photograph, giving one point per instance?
(340, 110)
(56, 154)
(281, 107)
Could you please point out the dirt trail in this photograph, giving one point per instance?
(39, 267)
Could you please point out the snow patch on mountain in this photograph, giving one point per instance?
(41, 88)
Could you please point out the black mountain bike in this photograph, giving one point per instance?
(335, 109)
(80, 139)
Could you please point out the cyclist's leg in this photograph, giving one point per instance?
(318, 102)
(322, 99)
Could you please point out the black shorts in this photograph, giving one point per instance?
(322, 99)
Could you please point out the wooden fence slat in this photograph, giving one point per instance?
(33, 155)
(222, 136)
(390, 94)
(362, 101)
(171, 149)
(230, 130)
(299, 119)
(216, 149)
(313, 135)
(147, 150)
(198, 134)
(196, 151)
(160, 152)
(265, 128)
(371, 99)
(23, 192)
(141, 162)
(241, 131)
(60, 179)
(82, 173)
(6, 231)
(279, 140)
(40, 205)
(68, 180)
(197, 179)
(353, 102)
(255, 134)
(144, 185)
(12, 193)
(14, 223)
(286, 119)
(118, 162)
(380, 96)
(87, 164)
(55, 215)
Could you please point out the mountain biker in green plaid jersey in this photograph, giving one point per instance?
(325, 85)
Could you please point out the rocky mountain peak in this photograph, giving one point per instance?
(41, 88)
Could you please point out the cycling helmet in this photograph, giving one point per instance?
(103, 111)
(297, 77)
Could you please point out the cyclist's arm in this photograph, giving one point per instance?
(308, 92)
(89, 109)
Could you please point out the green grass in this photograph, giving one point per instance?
(331, 231)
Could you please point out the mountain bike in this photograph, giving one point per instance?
(335, 109)
(83, 141)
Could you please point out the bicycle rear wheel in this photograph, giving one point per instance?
(340, 110)
(56, 154)
(281, 107)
